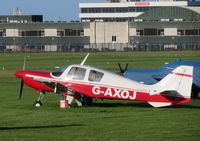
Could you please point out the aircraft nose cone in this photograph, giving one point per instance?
(19, 74)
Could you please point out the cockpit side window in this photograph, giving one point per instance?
(95, 76)
(76, 73)
(59, 71)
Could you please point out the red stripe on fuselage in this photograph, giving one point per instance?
(181, 74)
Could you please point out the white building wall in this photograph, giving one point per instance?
(109, 15)
(51, 48)
(170, 31)
(92, 32)
(102, 32)
(132, 32)
(87, 32)
(12, 32)
(50, 32)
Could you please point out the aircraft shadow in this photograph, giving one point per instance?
(143, 105)
(40, 127)
(146, 105)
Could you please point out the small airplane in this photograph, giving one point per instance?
(77, 81)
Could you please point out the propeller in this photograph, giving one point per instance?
(122, 70)
(21, 89)
(22, 81)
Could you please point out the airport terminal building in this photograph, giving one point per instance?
(117, 25)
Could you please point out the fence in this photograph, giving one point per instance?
(101, 47)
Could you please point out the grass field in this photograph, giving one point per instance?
(107, 120)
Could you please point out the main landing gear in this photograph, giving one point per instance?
(38, 102)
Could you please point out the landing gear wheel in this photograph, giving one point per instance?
(37, 104)
(87, 101)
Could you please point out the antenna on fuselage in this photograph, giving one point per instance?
(83, 62)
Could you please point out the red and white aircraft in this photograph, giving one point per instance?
(76, 81)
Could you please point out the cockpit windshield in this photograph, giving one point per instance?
(59, 71)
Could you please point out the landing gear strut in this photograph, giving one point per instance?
(38, 102)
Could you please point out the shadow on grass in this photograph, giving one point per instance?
(142, 105)
(40, 127)
(117, 104)
(185, 106)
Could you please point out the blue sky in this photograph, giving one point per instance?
(54, 10)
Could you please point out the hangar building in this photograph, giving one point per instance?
(118, 25)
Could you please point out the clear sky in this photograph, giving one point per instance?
(55, 10)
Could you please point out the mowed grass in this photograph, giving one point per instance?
(107, 120)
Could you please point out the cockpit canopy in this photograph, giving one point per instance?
(79, 73)
(58, 72)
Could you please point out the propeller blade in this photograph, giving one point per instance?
(22, 82)
(120, 68)
(21, 89)
(126, 67)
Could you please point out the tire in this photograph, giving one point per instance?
(37, 104)
(87, 101)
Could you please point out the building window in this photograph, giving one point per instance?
(115, 9)
(191, 32)
(140, 32)
(108, 10)
(180, 32)
(114, 38)
(71, 32)
(161, 32)
(1, 33)
(121, 10)
(84, 10)
(150, 31)
(31, 33)
(60, 33)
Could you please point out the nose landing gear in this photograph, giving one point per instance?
(38, 102)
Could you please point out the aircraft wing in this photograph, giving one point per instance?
(43, 79)
(52, 83)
